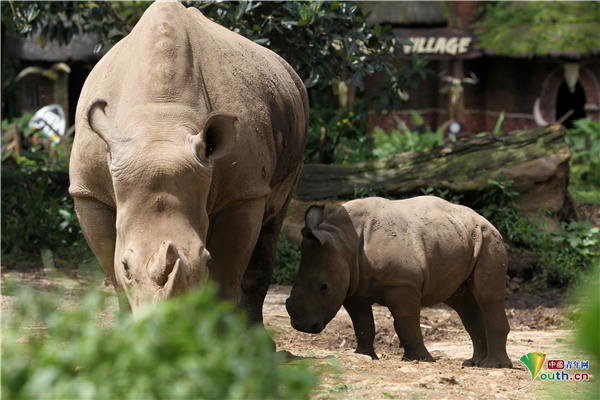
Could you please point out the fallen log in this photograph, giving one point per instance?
(537, 160)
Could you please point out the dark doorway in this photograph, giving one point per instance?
(77, 77)
(565, 101)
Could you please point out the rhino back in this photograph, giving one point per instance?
(177, 56)
(425, 242)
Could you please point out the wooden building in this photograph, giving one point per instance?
(53, 74)
(493, 83)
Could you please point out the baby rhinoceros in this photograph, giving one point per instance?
(403, 254)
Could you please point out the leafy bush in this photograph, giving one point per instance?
(287, 261)
(564, 254)
(37, 210)
(190, 347)
(400, 141)
(345, 140)
(584, 141)
(22, 124)
(338, 136)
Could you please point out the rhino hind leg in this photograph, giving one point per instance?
(405, 306)
(464, 303)
(98, 223)
(361, 313)
(489, 287)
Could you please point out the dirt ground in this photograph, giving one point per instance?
(538, 323)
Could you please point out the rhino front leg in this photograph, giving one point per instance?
(232, 238)
(98, 223)
(405, 306)
(257, 277)
(361, 312)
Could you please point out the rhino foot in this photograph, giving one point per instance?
(410, 356)
(497, 362)
(368, 352)
(474, 361)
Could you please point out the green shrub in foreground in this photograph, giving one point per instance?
(191, 347)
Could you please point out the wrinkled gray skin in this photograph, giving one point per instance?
(188, 147)
(403, 254)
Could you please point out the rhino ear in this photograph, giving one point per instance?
(322, 236)
(314, 216)
(217, 136)
(100, 123)
(312, 219)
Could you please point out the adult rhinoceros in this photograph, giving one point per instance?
(189, 145)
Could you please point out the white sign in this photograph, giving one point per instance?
(51, 122)
(438, 45)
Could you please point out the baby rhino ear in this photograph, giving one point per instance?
(313, 216)
(312, 219)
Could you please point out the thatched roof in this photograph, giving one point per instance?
(405, 12)
(81, 48)
(540, 29)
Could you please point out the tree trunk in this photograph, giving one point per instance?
(537, 160)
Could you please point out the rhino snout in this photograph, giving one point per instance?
(301, 321)
(307, 326)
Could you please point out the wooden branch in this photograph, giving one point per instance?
(537, 160)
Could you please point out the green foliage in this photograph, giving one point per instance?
(405, 76)
(61, 20)
(588, 327)
(325, 42)
(564, 254)
(287, 261)
(37, 210)
(344, 135)
(362, 192)
(387, 144)
(443, 194)
(584, 141)
(189, 347)
(516, 28)
(580, 236)
(22, 125)
(345, 140)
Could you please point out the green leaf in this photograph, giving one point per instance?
(304, 12)
(499, 123)
(377, 29)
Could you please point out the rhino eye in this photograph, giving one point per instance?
(126, 269)
(324, 287)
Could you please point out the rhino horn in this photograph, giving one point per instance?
(163, 270)
(176, 283)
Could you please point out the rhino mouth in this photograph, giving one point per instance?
(308, 327)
